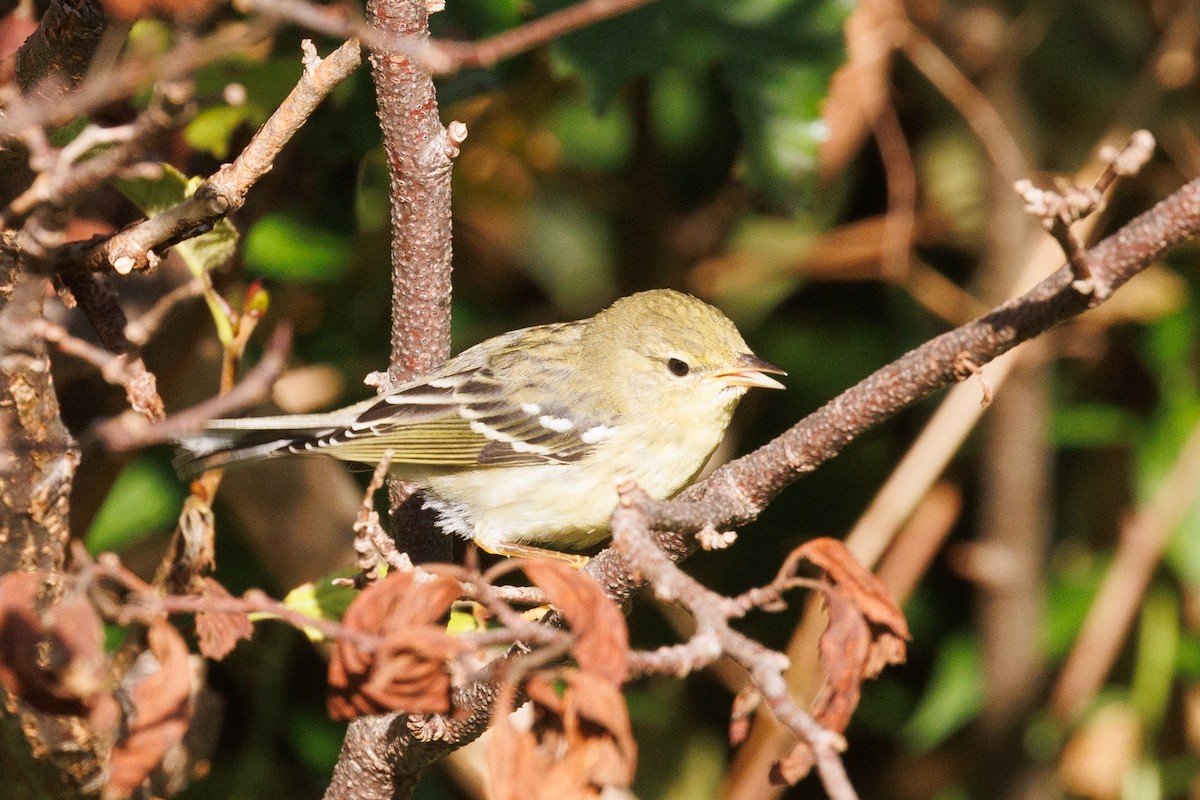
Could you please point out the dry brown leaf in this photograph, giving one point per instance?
(601, 638)
(218, 632)
(845, 648)
(579, 742)
(54, 663)
(866, 631)
(869, 594)
(160, 713)
(408, 671)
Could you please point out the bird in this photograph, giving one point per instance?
(520, 441)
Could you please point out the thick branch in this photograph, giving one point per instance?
(57, 54)
(419, 161)
(419, 152)
(40, 755)
(381, 756)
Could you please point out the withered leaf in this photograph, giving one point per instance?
(218, 632)
(845, 647)
(579, 742)
(866, 631)
(792, 768)
(601, 638)
(160, 712)
(844, 650)
(408, 671)
(55, 663)
(868, 592)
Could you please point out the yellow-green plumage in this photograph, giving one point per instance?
(522, 439)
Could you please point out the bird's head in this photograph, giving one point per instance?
(667, 350)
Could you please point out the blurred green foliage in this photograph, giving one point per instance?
(677, 146)
(144, 501)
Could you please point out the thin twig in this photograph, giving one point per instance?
(440, 57)
(714, 636)
(67, 178)
(371, 541)
(1059, 210)
(122, 433)
(139, 331)
(225, 191)
(24, 112)
(533, 33)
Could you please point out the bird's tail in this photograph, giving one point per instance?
(226, 442)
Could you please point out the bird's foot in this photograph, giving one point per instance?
(517, 550)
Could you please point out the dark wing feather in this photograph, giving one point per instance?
(461, 419)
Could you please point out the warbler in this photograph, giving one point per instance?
(521, 440)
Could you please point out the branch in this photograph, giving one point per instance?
(440, 57)
(127, 78)
(1059, 210)
(55, 58)
(225, 191)
(419, 155)
(419, 152)
(714, 636)
(66, 177)
(379, 758)
(533, 33)
(737, 492)
(124, 433)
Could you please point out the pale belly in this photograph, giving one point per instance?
(558, 506)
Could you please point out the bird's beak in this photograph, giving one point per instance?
(750, 371)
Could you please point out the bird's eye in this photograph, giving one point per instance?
(678, 368)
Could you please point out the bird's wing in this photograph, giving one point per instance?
(476, 410)
(462, 419)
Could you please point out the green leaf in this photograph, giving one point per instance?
(280, 247)
(1093, 425)
(776, 57)
(590, 140)
(212, 128)
(143, 501)
(1157, 641)
(780, 56)
(154, 195)
(779, 106)
(608, 54)
(321, 599)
